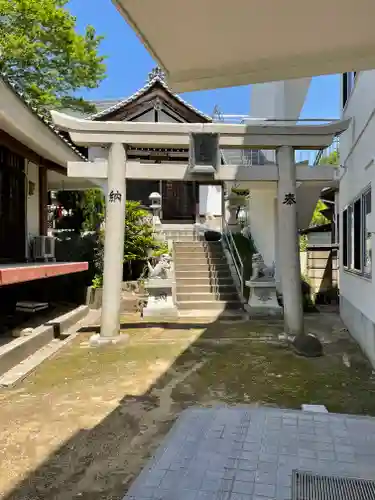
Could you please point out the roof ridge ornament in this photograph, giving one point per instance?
(156, 72)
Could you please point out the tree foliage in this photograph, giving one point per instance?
(87, 208)
(318, 218)
(331, 159)
(92, 203)
(139, 240)
(42, 52)
(71, 201)
(138, 232)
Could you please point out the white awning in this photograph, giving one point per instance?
(204, 44)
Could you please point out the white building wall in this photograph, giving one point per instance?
(357, 153)
(210, 199)
(32, 200)
(262, 217)
(279, 100)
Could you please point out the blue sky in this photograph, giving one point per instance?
(128, 64)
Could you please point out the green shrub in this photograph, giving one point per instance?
(329, 296)
(97, 282)
(307, 297)
(160, 250)
(139, 240)
(139, 236)
(303, 243)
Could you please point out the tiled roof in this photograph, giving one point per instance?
(43, 116)
(118, 105)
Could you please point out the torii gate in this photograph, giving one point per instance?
(282, 137)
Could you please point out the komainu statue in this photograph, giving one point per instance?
(260, 270)
(161, 268)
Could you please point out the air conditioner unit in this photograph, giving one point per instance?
(44, 248)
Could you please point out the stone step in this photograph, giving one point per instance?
(179, 239)
(209, 305)
(202, 266)
(195, 246)
(199, 255)
(215, 275)
(206, 297)
(186, 279)
(197, 251)
(179, 233)
(208, 262)
(203, 259)
(202, 254)
(206, 288)
(213, 244)
(199, 243)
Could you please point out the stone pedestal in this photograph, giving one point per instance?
(263, 299)
(98, 340)
(160, 303)
(156, 223)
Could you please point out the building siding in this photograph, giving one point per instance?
(357, 153)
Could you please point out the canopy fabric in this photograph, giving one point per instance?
(204, 44)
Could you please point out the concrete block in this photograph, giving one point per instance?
(314, 408)
(20, 348)
(62, 323)
(94, 297)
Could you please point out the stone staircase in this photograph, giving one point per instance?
(203, 279)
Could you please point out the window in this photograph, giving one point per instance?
(345, 238)
(367, 251)
(348, 80)
(356, 248)
(350, 237)
(357, 235)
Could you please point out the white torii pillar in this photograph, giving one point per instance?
(113, 248)
(288, 247)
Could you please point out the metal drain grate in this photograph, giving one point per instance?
(309, 486)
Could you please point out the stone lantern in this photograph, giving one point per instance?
(155, 206)
(160, 282)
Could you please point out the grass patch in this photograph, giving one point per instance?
(265, 374)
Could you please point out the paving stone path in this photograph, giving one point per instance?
(247, 453)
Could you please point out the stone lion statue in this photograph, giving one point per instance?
(161, 268)
(260, 270)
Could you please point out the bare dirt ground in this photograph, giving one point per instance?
(83, 425)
